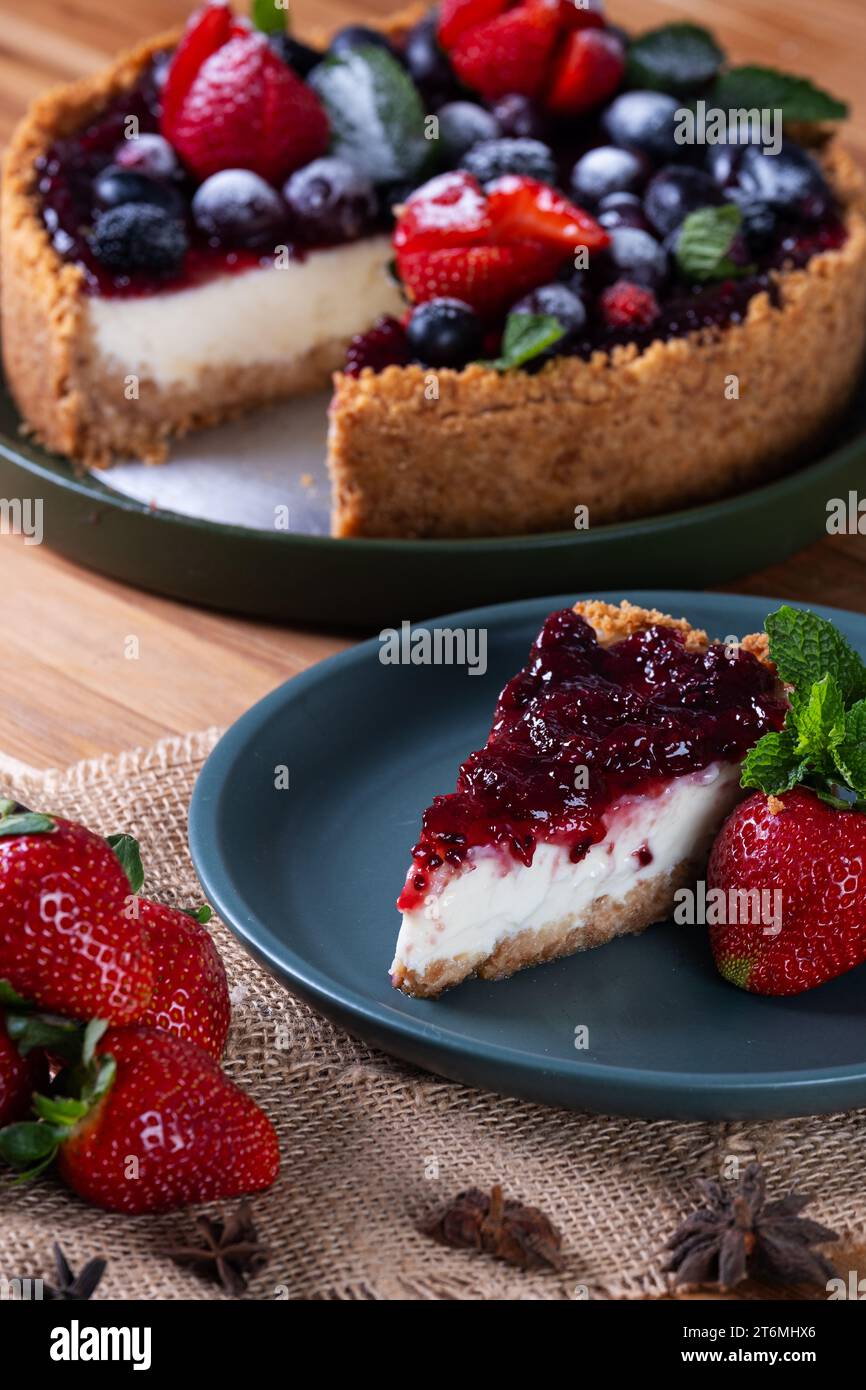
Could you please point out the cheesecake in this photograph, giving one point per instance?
(539, 308)
(613, 760)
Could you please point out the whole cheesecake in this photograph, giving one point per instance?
(529, 316)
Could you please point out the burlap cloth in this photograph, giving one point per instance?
(371, 1146)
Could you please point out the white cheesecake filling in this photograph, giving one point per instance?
(468, 913)
(266, 314)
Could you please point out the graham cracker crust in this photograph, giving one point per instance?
(650, 901)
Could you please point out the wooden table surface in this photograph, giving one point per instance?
(69, 691)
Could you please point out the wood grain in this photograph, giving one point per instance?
(73, 684)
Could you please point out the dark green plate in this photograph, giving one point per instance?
(370, 583)
(307, 878)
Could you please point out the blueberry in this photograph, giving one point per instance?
(637, 256)
(330, 200)
(790, 181)
(237, 208)
(445, 333)
(354, 36)
(492, 158)
(297, 56)
(462, 124)
(519, 117)
(148, 154)
(674, 192)
(139, 236)
(643, 121)
(760, 220)
(608, 169)
(115, 186)
(427, 62)
(621, 210)
(723, 161)
(559, 302)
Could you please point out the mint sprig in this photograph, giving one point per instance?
(823, 743)
(525, 337)
(766, 88)
(704, 243)
(267, 16)
(376, 114)
(674, 58)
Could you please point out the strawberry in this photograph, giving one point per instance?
(207, 30)
(486, 277)
(588, 72)
(449, 210)
(507, 54)
(19, 1077)
(68, 940)
(242, 108)
(453, 242)
(626, 305)
(456, 16)
(814, 857)
(147, 1122)
(190, 994)
(520, 207)
(800, 840)
(581, 14)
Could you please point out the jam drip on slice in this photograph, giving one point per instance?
(582, 725)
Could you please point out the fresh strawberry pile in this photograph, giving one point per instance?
(116, 1017)
(487, 248)
(788, 869)
(553, 50)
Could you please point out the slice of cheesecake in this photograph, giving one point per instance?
(612, 761)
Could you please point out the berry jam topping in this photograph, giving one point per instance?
(582, 725)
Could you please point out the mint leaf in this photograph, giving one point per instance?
(850, 752)
(268, 16)
(127, 850)
(526, 335)
(796, 97)
(27, 823)
(705, 239)
(819, 721)
(773, 766)
(674, 58)
(376, 114)
(805, 648)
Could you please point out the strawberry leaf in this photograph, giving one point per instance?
(767, 89)
(29, 1145)
(58, 1035)
(11, 998)
(268, 16)
(27, 823)
(127, 849)
(201, 914)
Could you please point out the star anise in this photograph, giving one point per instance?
(73, 1288)
(229, 1251)
(507, 1229)
(738, 1234)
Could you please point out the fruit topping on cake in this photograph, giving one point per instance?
(786, 899)
(613, 757)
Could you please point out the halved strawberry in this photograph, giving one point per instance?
(507, 54)
(521, 208)
(449, 210)
(245, 109)
(489, 278)
(207, 30)
(456, 16)
(588, 72)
